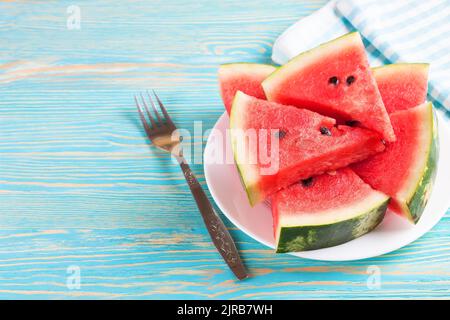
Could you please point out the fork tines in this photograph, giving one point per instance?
(156, 120)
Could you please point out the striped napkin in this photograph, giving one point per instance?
(393, 31)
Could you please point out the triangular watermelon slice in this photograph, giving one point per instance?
(406, 170)
(333, 79)
(290, 144)
(245, 77)
(325, 211)
(402, 85)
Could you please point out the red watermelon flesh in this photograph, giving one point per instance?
(325, 211)
(245, 77)
(308, 144)
(405, 171)
(402, 85)
(333, 79)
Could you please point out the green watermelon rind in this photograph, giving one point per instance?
(313, 237)
(386, 67)
(419, 198)
(252, 190)
(401, 65)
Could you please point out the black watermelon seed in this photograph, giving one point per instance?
(325, 131)
(280, 134)
(350, 80)
(334, 81)
(307, 182)
(352, 123)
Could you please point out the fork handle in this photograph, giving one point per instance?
(216, 229)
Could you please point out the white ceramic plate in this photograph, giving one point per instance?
(392, 234)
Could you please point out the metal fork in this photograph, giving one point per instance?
(164, 135)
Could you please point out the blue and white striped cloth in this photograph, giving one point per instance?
(393, 31)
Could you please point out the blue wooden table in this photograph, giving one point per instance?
(88, 210)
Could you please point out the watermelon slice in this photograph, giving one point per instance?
(307, 144)
(333, 79)
(402, 85)
(325, 211)
(245, 77)
(406, 170)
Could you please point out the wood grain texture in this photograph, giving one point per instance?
(79, 185)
